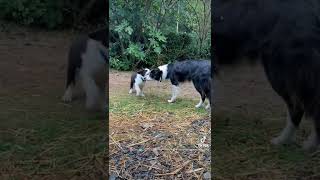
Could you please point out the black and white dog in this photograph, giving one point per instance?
(285, 36)
(87, 64)
(138, 81)
(197, 71)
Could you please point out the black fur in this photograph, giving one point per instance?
(77, 47)
(100, 35)
(156, 74)
(285, 35)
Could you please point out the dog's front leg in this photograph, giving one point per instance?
(67, 97)
(138, 90)
(175, 92)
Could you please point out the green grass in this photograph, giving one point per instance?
(243, 150)
(40, 135)
(130, 105)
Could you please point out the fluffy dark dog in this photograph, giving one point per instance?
(197, 71)
(137, 81)
(285, 36)
(87, 64)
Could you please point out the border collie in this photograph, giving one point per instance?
(137, 81)
(87, 64)
(285, 36)
(197, 71)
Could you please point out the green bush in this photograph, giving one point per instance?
(177, 46)
(53, 13)
(32, 12)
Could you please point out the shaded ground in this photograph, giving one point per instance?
(40, 136)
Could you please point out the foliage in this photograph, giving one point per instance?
(149, 33)
(49, 13)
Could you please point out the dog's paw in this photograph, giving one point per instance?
(310, 145)
(280, 141)
(276, 141)
(66, 98)
(142, 95)
(130, 91)
(198, 105)
(171, 101)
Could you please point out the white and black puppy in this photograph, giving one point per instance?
(197, 71)
(137, 81)
(87, 64)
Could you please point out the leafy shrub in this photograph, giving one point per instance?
(177, 46)
(53, 13)
(30, 12)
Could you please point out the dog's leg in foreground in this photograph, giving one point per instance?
(294, 117)
(175, 91)
(200, 103)
(313, 140)
(67, 97)
(138, 90)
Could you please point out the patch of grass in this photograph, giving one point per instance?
(131, 105)
(243, 150)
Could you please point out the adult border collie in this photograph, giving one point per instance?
(197, 71)
(87, 64)
(285, 36)
(138, 81)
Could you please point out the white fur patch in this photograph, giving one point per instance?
(67, 97)
(164, 69)
(200, 103)
(175, 92)
(287, 134)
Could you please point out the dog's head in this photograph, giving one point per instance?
(155, 74)
(144, 72)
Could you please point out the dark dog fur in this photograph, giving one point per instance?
(197, 71)
(285, 36)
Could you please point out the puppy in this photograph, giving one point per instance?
(87, 64)
(137, 81)
(197, 71)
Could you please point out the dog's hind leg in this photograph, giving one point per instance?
(201, 92)
(294, 116)
(313, 140)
